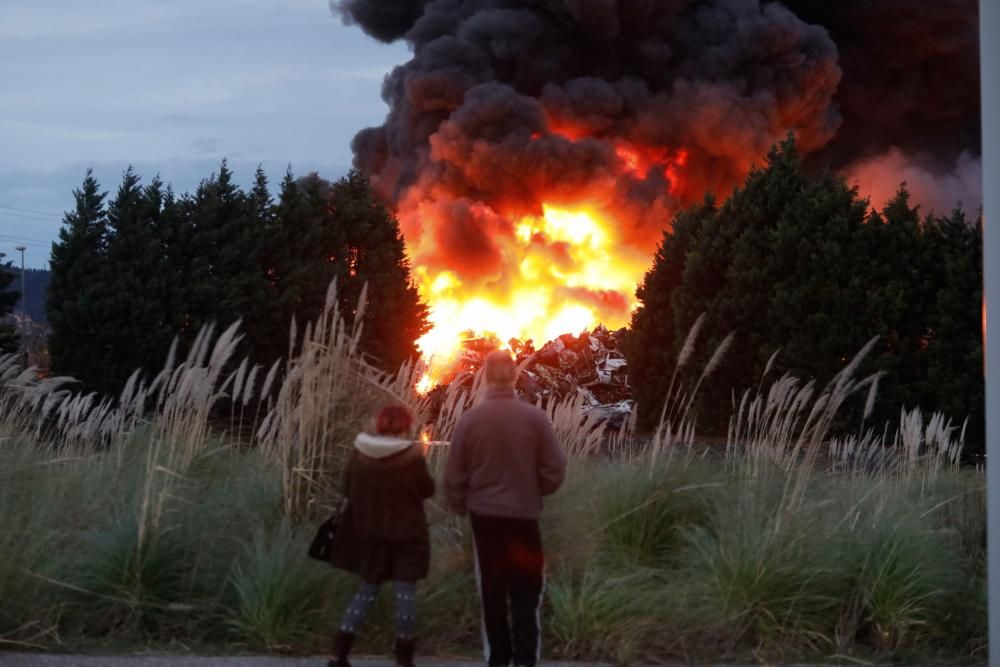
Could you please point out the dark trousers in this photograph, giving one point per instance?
(510, 565)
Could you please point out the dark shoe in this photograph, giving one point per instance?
(342, 644)
(404, 652)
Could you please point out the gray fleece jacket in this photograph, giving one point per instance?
(503, 458)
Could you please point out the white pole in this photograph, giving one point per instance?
(21, 342)
(24, 295)
(989, 75)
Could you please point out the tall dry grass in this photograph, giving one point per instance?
(158, 517)
(323, 398)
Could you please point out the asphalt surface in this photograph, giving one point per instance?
(52, 660)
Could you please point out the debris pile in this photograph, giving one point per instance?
(591, 364)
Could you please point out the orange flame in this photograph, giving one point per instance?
(638, 160)
(573, 274)
(565, 270)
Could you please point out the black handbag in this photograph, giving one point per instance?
(321, 547)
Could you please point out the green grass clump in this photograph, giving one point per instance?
(279, 597)
(904, 586)
(645, 511)
(601, 615)
(448, 605)
(129, 582)
(755, 581)
(32, 546)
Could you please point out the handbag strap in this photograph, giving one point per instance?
(342, 491)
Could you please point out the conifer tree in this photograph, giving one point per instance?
(150, 266)
(9, 297)
(954, 344)
(341, 231)
(137, 325)
(376, 256)
(255, 285)
(307, 251)
(78, 268)
(800, 263)
(219, 252)
(655, 336)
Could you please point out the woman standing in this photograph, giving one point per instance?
(383, 534)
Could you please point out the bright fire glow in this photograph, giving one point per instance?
(640, 159)
(573, 273)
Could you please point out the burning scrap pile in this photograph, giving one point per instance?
(591, 364)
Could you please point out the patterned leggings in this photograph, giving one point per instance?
(405, 605)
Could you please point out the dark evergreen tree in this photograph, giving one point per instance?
(798, 263)
(954, 344)
(129, 278)
(306, 253)
(341, 231)
(139, 326)
(394, 316)
(257, 285)
(9, 297)
(654, 337)
(215, 250)
(78, 270)
(218, 250)
(169, 226)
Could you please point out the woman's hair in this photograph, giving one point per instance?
(393, 419)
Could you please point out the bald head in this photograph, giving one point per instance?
(500, 369)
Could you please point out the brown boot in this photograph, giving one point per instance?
(342, 644)
(404, 652)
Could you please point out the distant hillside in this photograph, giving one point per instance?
(36, 287)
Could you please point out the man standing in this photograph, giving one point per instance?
(503, 458)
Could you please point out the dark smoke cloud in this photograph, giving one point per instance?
(725, 76)
(909, 98)
(509, 103)
(911, 75)
(386, 21)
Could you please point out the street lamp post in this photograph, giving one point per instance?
(989, 24)
(24, 312)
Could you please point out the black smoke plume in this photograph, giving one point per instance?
(909, 97)
(634, 108)
(730, 73)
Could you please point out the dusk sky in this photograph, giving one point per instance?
(172, 88)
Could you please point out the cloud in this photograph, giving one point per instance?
(173, 88)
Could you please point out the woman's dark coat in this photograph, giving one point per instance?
(383, 533)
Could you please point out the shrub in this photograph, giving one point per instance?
(280, 597)
(645, 510)
(757, 580)
(603, 615)
(129, 581)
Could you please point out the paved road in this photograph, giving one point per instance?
(49, 660)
